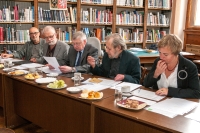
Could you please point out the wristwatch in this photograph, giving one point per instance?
(73, 69)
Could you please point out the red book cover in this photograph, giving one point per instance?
(98, 34)
(1, 34)
(62, 4)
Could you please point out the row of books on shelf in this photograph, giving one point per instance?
(133, 3)
(166, 4)
(96, 16)
(10, 34)
(68, 15)
(97, 1)
(157, 19)
(8, 14)
(130, 17)
(131, 35)
(155, 35)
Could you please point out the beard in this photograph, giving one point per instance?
(53, 42)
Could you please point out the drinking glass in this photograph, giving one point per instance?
(77, 80)
(118, 95)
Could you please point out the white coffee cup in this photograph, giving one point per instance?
(32, 70)
(125, 89)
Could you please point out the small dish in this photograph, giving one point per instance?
(73, 90)
(52, 74)
(8, 69)
(81, 78)
(18, 72)
(138, 106)
(85, 96)
(57, 88)
(127, 94)
(45, 80)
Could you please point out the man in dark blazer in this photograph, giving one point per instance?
(53, 47)
(76, 60)
(117, 63)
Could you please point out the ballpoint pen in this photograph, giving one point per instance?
(139, 90)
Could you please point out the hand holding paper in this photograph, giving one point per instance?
(53, 62)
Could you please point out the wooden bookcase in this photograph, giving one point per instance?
(113, 26)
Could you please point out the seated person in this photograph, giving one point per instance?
(31, 50)
(76, 60)
(172, 74)
(53, 47)
(118, 63)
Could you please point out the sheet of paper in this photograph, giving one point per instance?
(52, 61)
(171, 106)
(176, 105)
(147, 94)
(19, 67)
(162, 112)
(95, 87)
(31, 65)
(132, 86)
(106, 82)
(47, 70)
(193, 116)
(148, 102)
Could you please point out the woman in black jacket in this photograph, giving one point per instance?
(172, 74)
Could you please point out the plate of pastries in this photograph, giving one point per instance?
(32, 76)
(95, 80)
(131, 104)
(91, 95)
(18, 72)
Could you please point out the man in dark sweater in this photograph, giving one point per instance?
(118, 63)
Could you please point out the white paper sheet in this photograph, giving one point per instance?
(193, 116)
(174, 106)
(47, 70)
(147, 94)
(31, 65)
(148, 102)
(95, 87)
(106, 82)
(132, 86)
(53, 62)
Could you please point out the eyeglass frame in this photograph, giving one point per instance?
(49, 37)
(33, 33)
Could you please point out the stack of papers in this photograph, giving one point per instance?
(105, 82)
(132, 86)
(147, 94)
(93, 87)
(173, 107)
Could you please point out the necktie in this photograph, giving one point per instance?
(79, 59)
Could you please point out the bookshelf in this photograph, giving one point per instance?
(138, 21)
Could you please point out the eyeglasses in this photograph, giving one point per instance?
(76, 43)
(33, 33)
(49, 37)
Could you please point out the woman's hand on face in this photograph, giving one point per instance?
(160, 68)
(162, 92)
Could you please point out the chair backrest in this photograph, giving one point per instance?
(144, 72)
(96, 43)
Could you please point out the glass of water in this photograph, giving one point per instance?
(118, 95)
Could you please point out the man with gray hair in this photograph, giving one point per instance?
(118, 63)
(53, 47)
(76, 60)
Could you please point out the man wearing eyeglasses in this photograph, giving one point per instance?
(31, 50)
(76, 60)
(53, 47)
(118, 63)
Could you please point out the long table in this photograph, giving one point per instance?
(107, 115)
(55, 110)
(61, 112)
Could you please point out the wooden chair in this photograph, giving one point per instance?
(144, 72)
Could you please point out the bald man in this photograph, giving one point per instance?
(31, 50)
